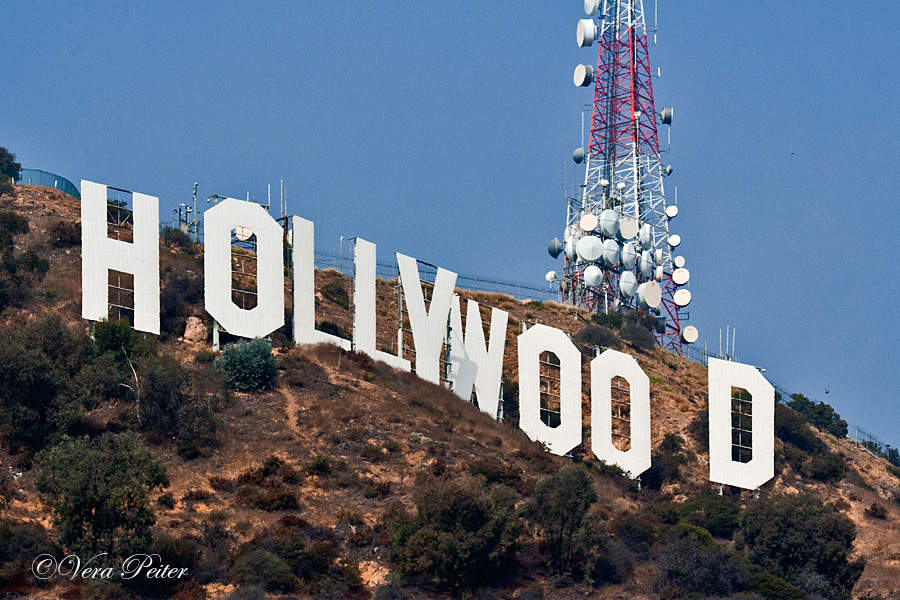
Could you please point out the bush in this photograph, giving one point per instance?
(460, 536)
(594, 335)
(63, 234)
(335, 292)
(774, 588)
(792, 428)
(164, 390)
(819, 414)
(205, 357)
(666, 464)
(611, 320)
(99, 491)
(261, 567)
(720, 515)
(173, 236)
(20, 543)
(689, 562)
(249, 366)
(876, 511)
(180, 298)
(638, 336)
(9, 170)
(558, 508)
(803, 541)
(826, 467)
(699, 430)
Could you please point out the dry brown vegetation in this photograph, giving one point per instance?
(341, 438)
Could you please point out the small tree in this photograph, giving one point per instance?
(99, 491)
(638, 335)
(9, 170)
(249, 366)
(558, 509)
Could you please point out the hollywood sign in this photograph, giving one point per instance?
(474, 362)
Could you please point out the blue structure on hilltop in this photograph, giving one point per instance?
(38, 177)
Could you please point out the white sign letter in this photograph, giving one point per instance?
(268, 314)
(305, 331)
(364, 305)
(604, 368)
(429, 327)
(471, 362)
(723, 376)
(532, 343)
(99, 254)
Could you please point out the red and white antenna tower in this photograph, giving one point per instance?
(618, 249)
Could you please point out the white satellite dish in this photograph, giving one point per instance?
(628, 284)
(674, 240)
(604, 182)
(649, 295)
(550, 276)
(591, 6)
(629, 255)
(290, 238)
(690, 334)
(658, 274)
(586, 33)
(658, 256)
(610, 253)
(589, 248)
(682, 297)
(588, 222)
(609, 222)
(584, 75)
(681, 276)
(679, 262)
(620, 185)
(646, 264)
(646, 235)
(593, 276)
(570, 247)
(554, 248)
(578, 155)
(242, 233)
(628, 228)
(671, 211)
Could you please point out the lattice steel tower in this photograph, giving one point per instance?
(618, 248)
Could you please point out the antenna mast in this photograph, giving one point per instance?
(618, 249)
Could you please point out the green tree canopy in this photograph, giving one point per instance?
(99, 491)
(9, 170)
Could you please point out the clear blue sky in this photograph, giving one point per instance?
(442, 130)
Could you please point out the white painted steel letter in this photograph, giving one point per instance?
(305, 331)
(532, 343)
(471, 361)
(268, 314)
(604, 368)
(429, 327)
(723, 375)
(99, 254)
(364, 305)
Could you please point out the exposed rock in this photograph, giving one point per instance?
(195, 331)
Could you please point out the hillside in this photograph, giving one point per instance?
(318, 478)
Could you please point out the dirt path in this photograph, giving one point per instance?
(292, 407)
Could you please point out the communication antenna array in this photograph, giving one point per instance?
(617, 247)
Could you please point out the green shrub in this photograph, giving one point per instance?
(666, 464)
(261, 567)
(99, 491)
(720, 515)
(333, 329)
(249, 366)
(205, 356)
(460, 536)
(20, 544)
(819, 414)
(690, 563)
(335, 292)
(594, 335)
(63, 234)
(826, 467)
(612, 320)
(558, 508)
(639, 336)
(876, 511)
(774, 588)
(699, 430)
(173, 236)
(9, 171)
(803, 541)
(791, 427)
(116, 337)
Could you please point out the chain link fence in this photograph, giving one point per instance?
(38, 177)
